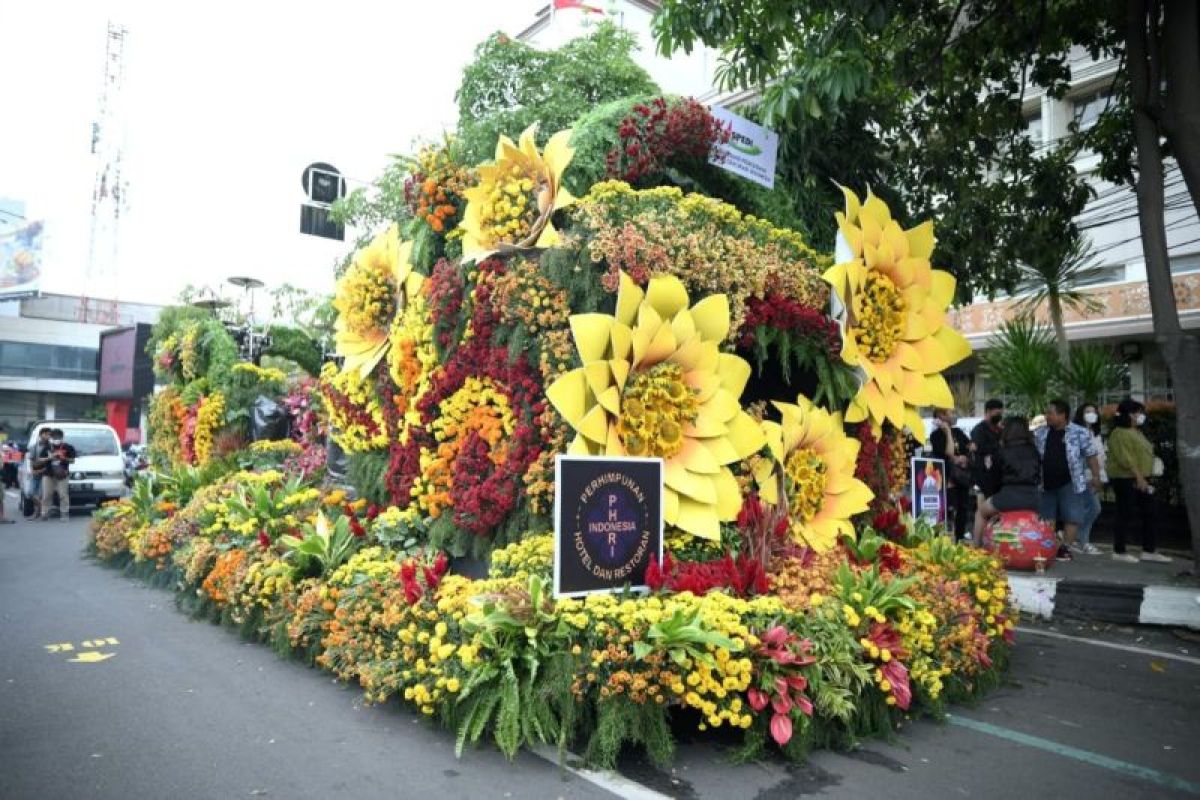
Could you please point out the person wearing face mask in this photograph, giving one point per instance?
(1130, 466)
(1088, 416)
(1069, 460)
(985, 445)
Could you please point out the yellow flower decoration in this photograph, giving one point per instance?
(511, 205)
(895, 329)
(816, 460)
(654, 383)
(369, 296)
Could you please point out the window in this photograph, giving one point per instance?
(1089, 107)
(1033, 128)
(1184, 264)
(30, 360)
(1109, 274)
(91, 441)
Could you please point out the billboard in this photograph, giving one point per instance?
(20, 257)
(125, 369)
(750, 151)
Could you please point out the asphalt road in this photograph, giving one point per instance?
(187, 710)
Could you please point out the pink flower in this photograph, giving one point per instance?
(781, 729)
(758, 699)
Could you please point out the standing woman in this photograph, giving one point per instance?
(1130, 465)
(1088, 416)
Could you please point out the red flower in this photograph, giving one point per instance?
(264, 541)
(758, 699)
(897, 675)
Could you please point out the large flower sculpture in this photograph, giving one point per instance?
(815, 459)
(511, 205)
(654, 383)
(895, 327)
(370, 294)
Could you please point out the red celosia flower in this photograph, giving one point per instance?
(264, 541)
(897, 675)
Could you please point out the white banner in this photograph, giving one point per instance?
(751, 149)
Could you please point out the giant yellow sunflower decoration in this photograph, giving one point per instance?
(654, 383)
(895, 326)
(511, 205)
(816, 460)
(373, 290)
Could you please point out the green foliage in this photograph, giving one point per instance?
(296, 346)
(325, 546)
(683, 639)
(924, 97)
(1094, 371)
(776, 349)
(366, 473)
(374, 208)
(523, 636)
(511, 85)
(1022, 363)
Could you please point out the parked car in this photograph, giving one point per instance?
(98, 472)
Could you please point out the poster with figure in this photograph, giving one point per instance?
(608, 519)
(20, 260)
(928, 487)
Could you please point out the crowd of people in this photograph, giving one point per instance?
(1056, 465)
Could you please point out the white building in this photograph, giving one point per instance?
(49, 354)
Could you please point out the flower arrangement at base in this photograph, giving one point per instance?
(895, 328)
(654, 383)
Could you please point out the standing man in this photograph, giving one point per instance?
(1067, 454)
(985, 444)
(38, 460)
(56, 481)
(952, 445)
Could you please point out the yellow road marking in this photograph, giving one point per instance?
(60, 648)
(91, 658)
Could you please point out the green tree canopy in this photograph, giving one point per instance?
(511, 85)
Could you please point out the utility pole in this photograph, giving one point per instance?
(109, 188)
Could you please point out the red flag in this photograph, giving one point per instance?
(561, 4)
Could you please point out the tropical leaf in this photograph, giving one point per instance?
(1022, 362)
(1094, 371)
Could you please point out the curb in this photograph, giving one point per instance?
(1101, 601)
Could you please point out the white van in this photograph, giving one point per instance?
(98, 472)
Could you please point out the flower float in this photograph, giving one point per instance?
(895, 325)
(654, 383)
(372, 292)
(517, 193)
(814, 461)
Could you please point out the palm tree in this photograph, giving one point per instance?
(1054, 278)
(1023, 363)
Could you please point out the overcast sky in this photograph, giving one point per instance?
(224, 105)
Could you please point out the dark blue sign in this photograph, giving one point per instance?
(608, 523)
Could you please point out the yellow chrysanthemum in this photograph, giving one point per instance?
(815, 460)
(369, 296)
(895, 328)
(654, 383)
(510, 206)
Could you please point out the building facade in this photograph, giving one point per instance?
(1117, 280)
(49, 354)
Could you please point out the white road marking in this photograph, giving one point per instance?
(606, 780)
(1129, 648)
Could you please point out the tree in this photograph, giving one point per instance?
(511, 85)
(926, 97)
(1053, 277)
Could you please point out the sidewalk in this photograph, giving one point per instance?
(1096, 588)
